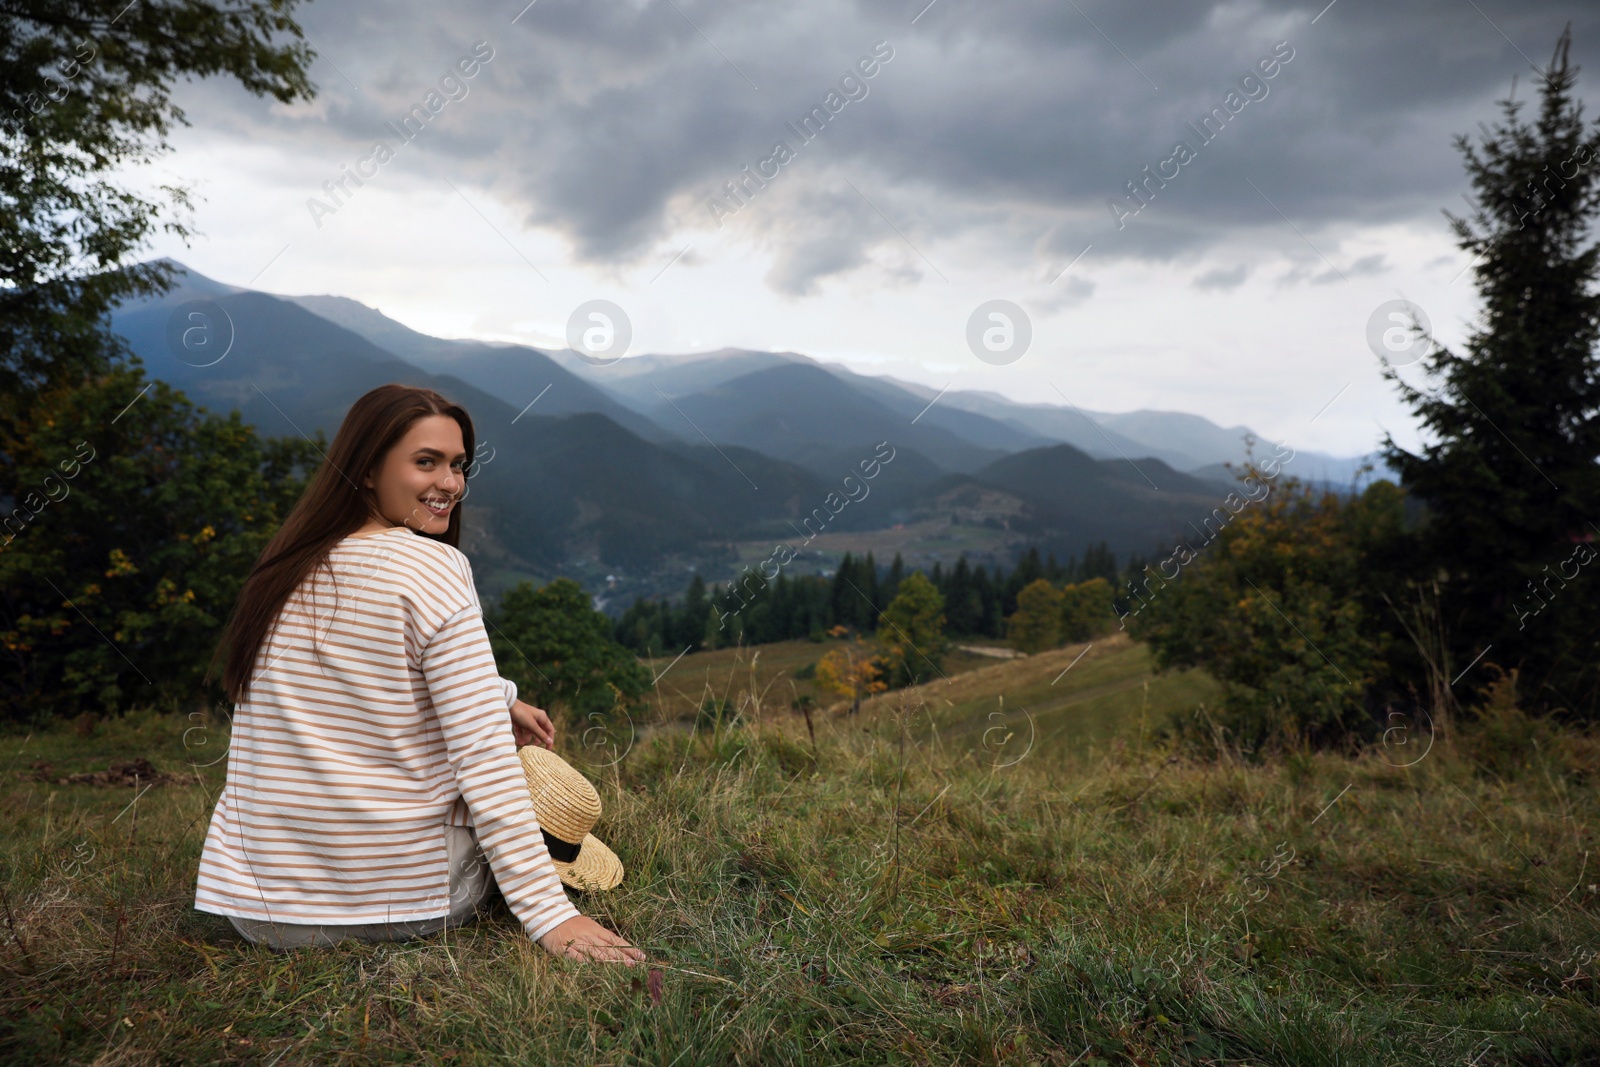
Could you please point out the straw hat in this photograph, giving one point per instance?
(567, 807)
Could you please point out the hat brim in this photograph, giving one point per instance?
(597, 868)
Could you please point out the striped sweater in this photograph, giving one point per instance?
(375, 718)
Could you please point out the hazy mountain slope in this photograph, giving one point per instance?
(1192, 435)
(643, 382)
(614, 463)
(550, 488)
(1210, 446)
(515, 373)
(981, 430)
(631, 392)
(1074, 499)
(788, 411)
(1184, 442)
(1061, 423)
(640, 381)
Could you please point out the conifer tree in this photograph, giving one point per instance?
(1511, 424)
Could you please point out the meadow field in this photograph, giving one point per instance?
(933, 880)
(1066, 701)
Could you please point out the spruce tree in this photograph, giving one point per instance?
(891, 584)
(1511, 424)
(962, 602)
(867, 579)
(841, 596)
(690, 625)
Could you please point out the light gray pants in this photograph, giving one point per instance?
(470, 882)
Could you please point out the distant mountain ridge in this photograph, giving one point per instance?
(556, 488)
(664, 463)
(511, 372)
(1183, 441)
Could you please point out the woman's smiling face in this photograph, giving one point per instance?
(421, 479)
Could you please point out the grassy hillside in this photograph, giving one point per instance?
(1070, 701)
(884, 896)
(765, 674)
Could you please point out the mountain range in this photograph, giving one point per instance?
(627, 476)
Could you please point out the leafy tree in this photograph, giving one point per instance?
(125, 551)
(558, 649)
(84, 95)
(1036, 624)
(854, 677)
(1086, 611)
(1512, 423)
(115, 577)
(911, 632)
(1284, 609)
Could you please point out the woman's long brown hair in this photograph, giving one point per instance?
(334, 505)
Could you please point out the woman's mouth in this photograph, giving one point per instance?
(437, 506)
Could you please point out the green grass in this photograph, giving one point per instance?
(889, 896)
(764, 672)
(1067, 703)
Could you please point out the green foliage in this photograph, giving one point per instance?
(1086, 610)
(1282, 608)
(756, 610)
(1048, 616)
(1508, 475)
(1036, 624)
(85, 94)
(1503, 739)
(911, 632)
(558, 649)
(131, 534)
(714, 714)
(131, 517)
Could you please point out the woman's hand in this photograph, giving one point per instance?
(531, 726)
(581, 938)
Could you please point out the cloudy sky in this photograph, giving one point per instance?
(590, 152)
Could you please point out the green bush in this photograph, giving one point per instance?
(558, 649)
(911, 632)
(1036, 624)
(1282, 607)
(134, 520)
(1086, 611)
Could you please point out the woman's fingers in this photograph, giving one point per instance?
(605, 946)
(545, 729)
(604, 954)
(581, 938)
(531, 726)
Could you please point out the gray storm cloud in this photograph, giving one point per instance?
(614, 124)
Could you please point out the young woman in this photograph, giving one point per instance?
(374, 745)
